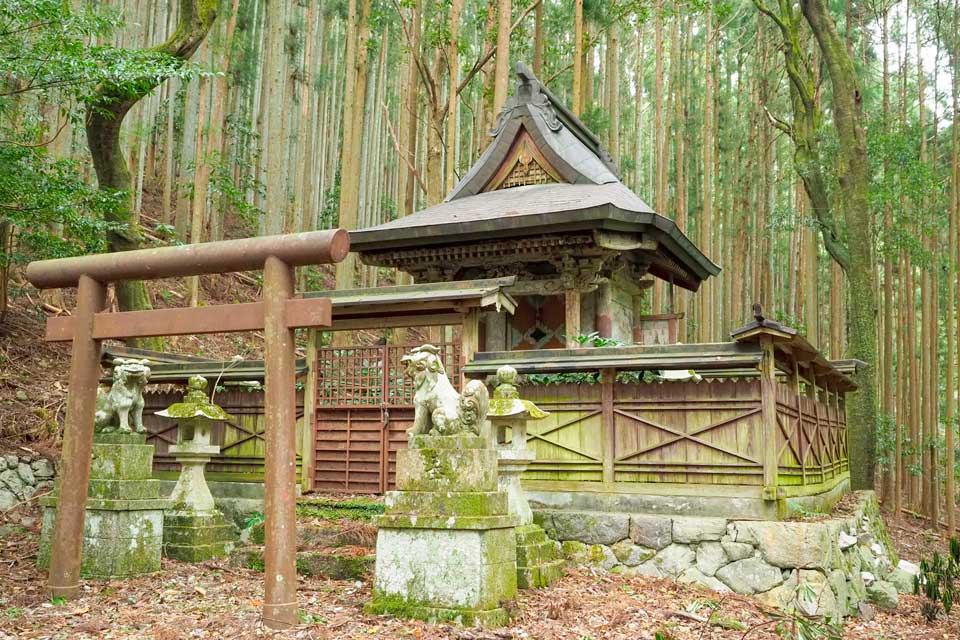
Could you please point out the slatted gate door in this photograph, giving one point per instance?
(364, 408)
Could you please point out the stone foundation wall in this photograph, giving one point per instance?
(22, 475)
(832, 567)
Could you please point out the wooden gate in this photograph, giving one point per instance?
(364, 408)
(240, 439)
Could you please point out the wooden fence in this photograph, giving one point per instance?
(240, 439)
(606, 436)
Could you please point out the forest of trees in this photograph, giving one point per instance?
(808, 147)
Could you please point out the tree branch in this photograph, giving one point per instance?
(482, 60)
(396, 144)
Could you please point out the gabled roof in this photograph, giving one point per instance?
(563, 140)
(544, 173)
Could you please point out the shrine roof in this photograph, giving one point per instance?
(544, 172)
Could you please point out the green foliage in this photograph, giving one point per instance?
(52, 211)
(596, 119)
(46, 60)
(939, 582)
(310, 618)
(44, 50)
(593, 339)
(561, 378)
(330, 509)
(330, 213)
(253, 520)
(12, 613)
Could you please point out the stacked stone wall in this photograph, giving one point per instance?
(833, 566)
(22, 475)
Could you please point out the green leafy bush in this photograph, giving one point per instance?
(938, 581)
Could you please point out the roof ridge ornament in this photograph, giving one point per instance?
(528, 91)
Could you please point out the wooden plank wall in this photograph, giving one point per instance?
(811, 437)
(662, 433)
(240, 439)
(707, 433)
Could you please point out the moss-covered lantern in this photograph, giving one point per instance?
(194, 530)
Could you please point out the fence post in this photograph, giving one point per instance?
(768, 412)
(607, 379)
(309, 437)
(469, 339)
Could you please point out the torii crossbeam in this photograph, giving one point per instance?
(277, 314)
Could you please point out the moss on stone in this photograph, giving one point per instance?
(410, 608)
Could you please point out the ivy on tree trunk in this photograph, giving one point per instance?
(854, 177)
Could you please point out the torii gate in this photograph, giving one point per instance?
(278, 314)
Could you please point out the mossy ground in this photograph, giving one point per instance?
(359, 508)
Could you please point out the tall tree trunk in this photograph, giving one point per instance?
(456, 7)
(538, 40)
(659, 141)
(108, 106)
(353, 117)
(613, 89)
(890, 485)
(201, 179)
(409, 114)
(854, 179)
(952, 242)
(502, 73)
(706, 219)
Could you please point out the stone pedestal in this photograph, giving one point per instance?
(446, 546)
(193, 529)
(123, 526)
(537, 562)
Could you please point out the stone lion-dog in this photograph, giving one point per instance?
(438, 408)
(122, 405)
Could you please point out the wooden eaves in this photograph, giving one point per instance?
(416, 305)
(721, 355)
(790, 346)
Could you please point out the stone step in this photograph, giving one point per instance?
(323, 533)
(531, 554)
(540, 575)
(332, 534)
(530, 534)
(334, 566)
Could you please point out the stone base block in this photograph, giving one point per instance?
(445, 469)
(196, 537)
(467, 617)
(100, 489)
(467, 503)
(116, 544)
(121, 461)
(470, 572)
(537, 562)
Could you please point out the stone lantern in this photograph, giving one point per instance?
(194, 530)
(537, 563)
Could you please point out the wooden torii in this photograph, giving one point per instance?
(277, 314)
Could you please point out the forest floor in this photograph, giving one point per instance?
(217, 600)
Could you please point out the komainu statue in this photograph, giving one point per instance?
(121, 407)
(438, 408)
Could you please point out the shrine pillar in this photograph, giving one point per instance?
(571, 301)
(604, 311)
